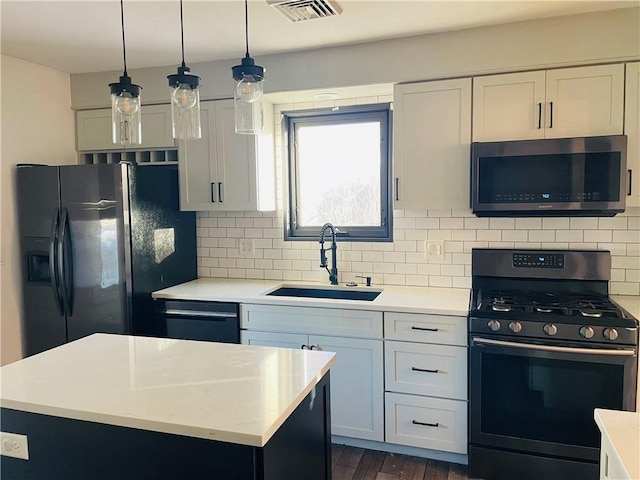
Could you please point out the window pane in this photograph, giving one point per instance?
(339, 168)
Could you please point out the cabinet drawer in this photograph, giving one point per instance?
(434, 370)
(426, 422)
(310, 320)
(412, 327)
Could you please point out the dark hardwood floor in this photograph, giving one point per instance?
(351, 463)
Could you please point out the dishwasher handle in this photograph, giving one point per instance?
(198, 313)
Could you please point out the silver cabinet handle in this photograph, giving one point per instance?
(220, 192)
(539, 115)
(550, 114)
(198, 313)
(397, 188)
(213, 192)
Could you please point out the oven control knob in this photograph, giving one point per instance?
(515, 327)
(610, 333)
(494, 325)
(550, 329)
(586, 332)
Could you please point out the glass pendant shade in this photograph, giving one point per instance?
(248, 95)
(126, 115)
(185, 104)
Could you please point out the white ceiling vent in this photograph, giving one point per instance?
(298, 10)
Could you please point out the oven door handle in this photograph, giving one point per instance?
(551, 348)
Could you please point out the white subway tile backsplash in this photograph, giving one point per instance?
(569, 235)
(552, 223)
(528, 223)
(474, 223)
(612, 223)
(403, 262)
(583, 223)
(489, 235)
(626, 236)
(542, 235)
(502, 223)
(514, 235)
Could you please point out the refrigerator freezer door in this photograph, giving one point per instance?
(38, 201)
(93, 251)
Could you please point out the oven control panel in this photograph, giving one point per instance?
(532, 260)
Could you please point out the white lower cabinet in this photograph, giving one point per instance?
(426, 381)
(357, 376)
(426, 422)
(610, 466)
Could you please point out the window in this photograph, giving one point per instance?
(339, 172)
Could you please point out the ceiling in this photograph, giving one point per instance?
(84, 36)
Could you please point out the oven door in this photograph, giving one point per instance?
(540, 398)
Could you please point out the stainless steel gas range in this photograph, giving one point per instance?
(546, 346)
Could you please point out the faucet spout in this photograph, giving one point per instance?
(333, 273)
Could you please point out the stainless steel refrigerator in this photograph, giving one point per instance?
(95, 241)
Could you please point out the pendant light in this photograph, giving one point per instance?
(249, 82)
(126, 116)
(185, 98)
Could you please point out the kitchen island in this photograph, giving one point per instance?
(116, 406)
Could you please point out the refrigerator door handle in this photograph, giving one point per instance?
(65, 265)
(53, 270)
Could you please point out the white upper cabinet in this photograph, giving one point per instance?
(567, 102)
(632, 130)
(93, 129)
(508, 107)
(432, 135)
(224, 170)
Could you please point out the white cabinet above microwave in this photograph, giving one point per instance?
(567, 102)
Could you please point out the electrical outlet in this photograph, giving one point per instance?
(433, 249)
(247, 246)
(14, 445)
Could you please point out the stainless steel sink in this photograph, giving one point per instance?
(333, 293)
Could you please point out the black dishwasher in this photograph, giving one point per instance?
(194, 320)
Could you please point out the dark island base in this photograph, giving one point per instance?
(61, 448)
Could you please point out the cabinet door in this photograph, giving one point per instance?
(632, 130)
(156, 127)
(585, 101)
(197, 168)
(432, 135)
(270, 339)
(508, 107)
(236, 162)
(94, 130)
(357, 409)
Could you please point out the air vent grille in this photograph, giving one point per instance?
(299, 10)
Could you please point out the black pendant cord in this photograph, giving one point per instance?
(246, 26)
(182, 33)
(124, 50)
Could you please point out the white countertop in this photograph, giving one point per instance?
(231, 393)
(622, 429)
(434, 300)
(631, 303)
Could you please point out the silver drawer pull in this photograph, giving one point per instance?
(416, 369)
(425, 329)
(424, 424)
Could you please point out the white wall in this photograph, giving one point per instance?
(37, 127)
(610, 36)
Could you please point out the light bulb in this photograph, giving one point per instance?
(184, 97)
(126, 104)
(248, 89)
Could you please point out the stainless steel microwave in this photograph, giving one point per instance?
(584, 176)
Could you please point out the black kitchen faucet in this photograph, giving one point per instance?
(333, 273)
